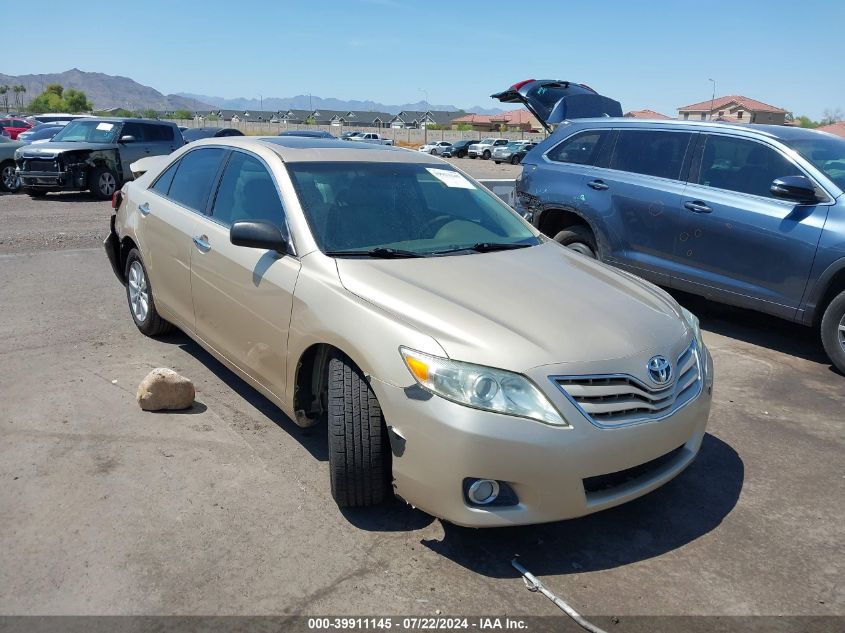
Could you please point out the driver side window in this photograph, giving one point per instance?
(247, 192)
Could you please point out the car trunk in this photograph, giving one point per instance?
(553, 101)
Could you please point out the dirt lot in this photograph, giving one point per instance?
(226, 509)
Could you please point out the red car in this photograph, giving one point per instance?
(15, 126)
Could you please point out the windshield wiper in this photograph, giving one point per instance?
(485, 247)
(380, 252)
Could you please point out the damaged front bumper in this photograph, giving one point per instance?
(72, 178)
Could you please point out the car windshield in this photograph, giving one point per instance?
(88, 132)
(415, 209)
(826, 153)
(515, 146)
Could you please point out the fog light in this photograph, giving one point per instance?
(483, 491)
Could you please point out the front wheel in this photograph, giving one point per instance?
(486, 155)
(139, 294)
(833, 331)
(102, 183)
(359, 449)
(515, 160)
(580, 239)
(9, 180)
(433, 152)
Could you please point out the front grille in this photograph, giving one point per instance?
(603, 483)
(32, 164)
(611, 400)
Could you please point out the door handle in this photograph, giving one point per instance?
(598, 185)
(696, 206)
(201, 242)
(144, 208)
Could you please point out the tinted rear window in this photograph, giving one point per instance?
(580, 149)
(650, 152)
(197, 171)
(158, 132)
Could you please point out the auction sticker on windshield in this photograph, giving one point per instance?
(450, 178)
(105, 126)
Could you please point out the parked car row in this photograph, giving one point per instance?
(499, 149)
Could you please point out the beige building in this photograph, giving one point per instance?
(733, 109)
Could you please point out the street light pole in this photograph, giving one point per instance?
(425, 124)
(712, 98)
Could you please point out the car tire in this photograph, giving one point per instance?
(580, 239)
(9, 180)
(139, 296)
(498, 162)
(102, 183)
(36, 193)
(515, 160)
(433, 152)
(359, 452)
(486, 155)
(833, 331)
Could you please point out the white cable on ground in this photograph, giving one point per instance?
(533, 584)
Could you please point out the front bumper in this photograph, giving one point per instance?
(477, 152)
(67, 179)
(437, 444)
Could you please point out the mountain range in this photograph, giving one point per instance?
(114, 91)
(312, 102)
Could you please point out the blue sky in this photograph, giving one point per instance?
(653, 54)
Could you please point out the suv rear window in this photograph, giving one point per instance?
(580, 149)
(158, 132)
(650, 152)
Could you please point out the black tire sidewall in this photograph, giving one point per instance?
(580, 235)
(830, 331)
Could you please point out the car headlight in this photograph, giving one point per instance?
(481, 387)
(692, 321)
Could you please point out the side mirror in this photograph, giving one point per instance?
(127, 139)
(795, 188)
(263, 235)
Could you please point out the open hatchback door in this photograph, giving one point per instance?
(553, 101)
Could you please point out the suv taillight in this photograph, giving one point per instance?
(116, 199)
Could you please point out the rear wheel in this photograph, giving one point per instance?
(580, 239)
(359, 453)
(139, 295)
(9, 180)
(833, 331)
(102, 183)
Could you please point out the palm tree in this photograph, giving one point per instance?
(3, 90)
(23, 92)
(17, 90)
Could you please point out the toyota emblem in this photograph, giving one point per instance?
(659, 369)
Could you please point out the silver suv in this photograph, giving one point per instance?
(93, 154)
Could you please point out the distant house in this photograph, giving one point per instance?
(417, 119)
(513, 121)
(733, 109)
(646, 114)
(837, 128)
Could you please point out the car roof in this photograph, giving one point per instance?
(293, 149)
(123, 119)
(780, 132)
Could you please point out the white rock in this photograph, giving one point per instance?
(164, 389)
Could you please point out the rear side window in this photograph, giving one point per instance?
(162, 183)
(741, 165)
(197, 171)
(133, 129)
(650, 152)
(580, 149)
(158, 132)
(247, 192)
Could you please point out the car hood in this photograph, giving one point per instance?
(52, 149)
(520, 309)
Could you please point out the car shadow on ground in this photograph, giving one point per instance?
(683, 510)
(314, 439)
(65, 196)
(757, 328)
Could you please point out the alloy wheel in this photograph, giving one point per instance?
(10, 179)
(106, 183)
(842, 332)
(139, 295)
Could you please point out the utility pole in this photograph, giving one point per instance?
(712, 98)
(424, 123)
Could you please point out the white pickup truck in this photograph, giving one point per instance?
(371, 137)
(484, 147)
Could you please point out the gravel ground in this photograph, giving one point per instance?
(226, 509)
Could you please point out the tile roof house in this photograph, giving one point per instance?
(515, 120)
(419, 119)
(837, 128)
(735, 109)
(646, 114)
